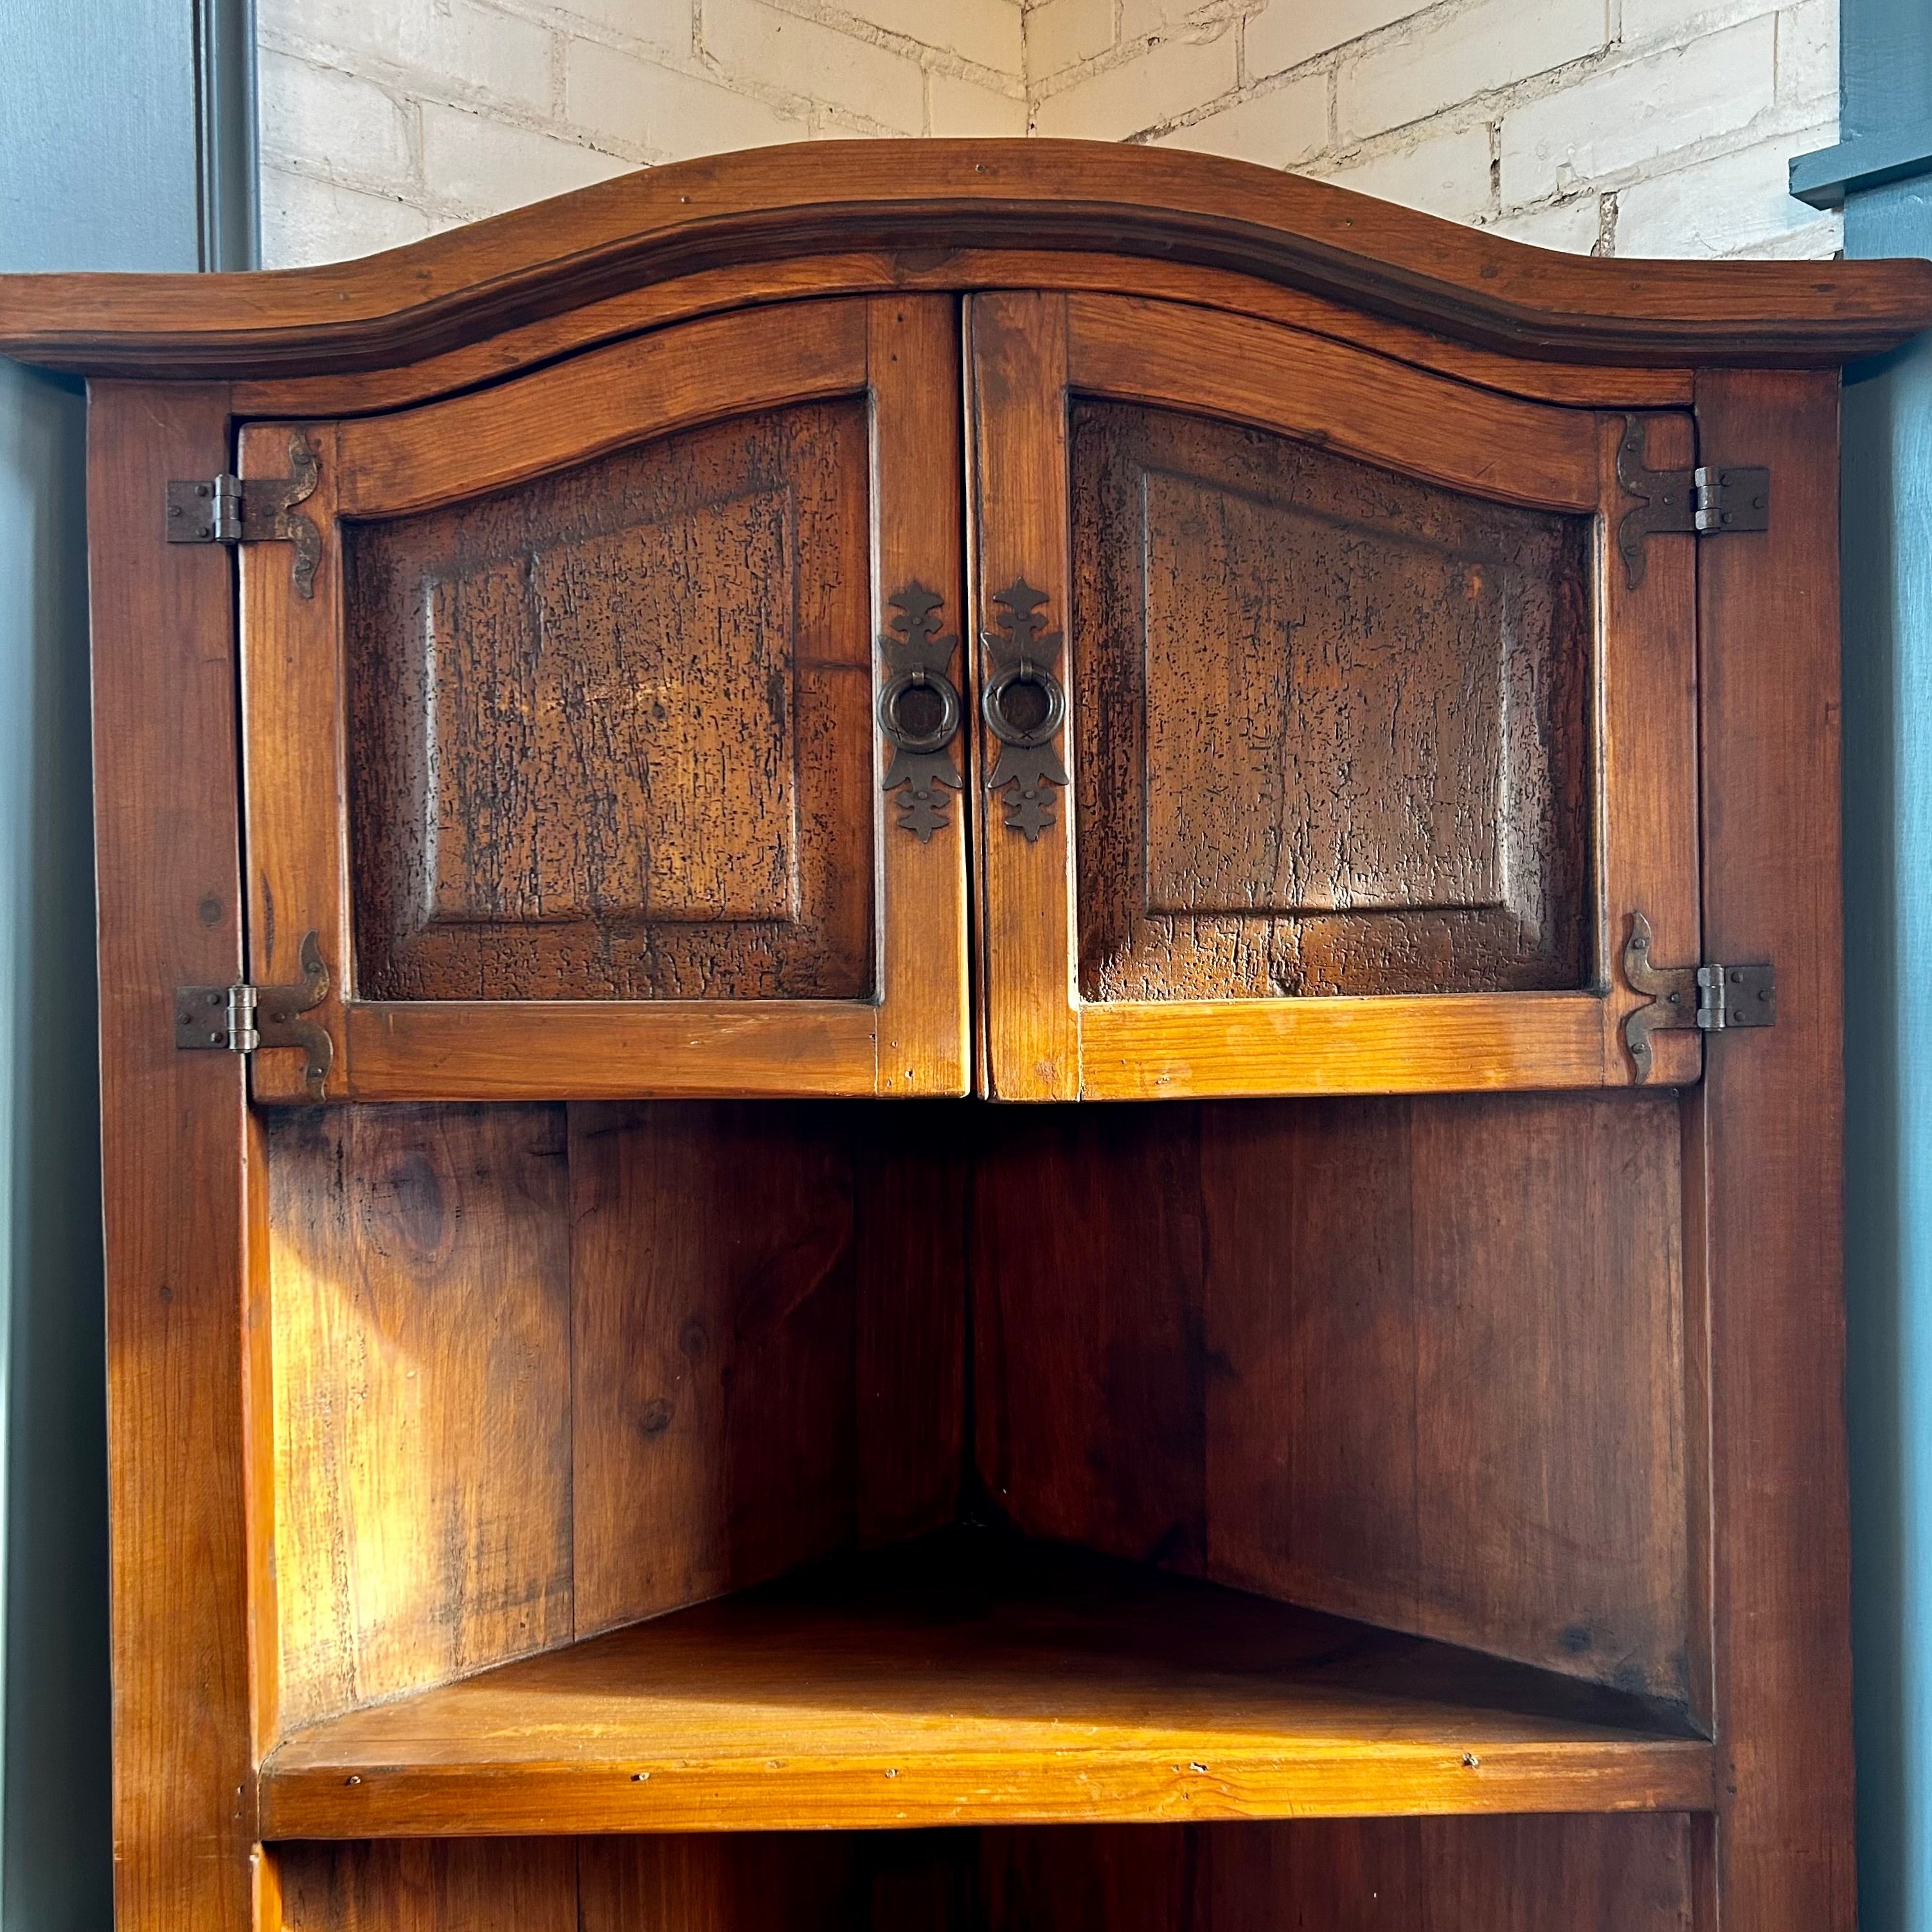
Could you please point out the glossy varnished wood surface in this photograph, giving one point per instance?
(827, 197)
(961, 1681)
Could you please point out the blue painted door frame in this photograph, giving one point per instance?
(126, 141)
(1880, 173)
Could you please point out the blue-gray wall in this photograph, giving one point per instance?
(122, 146)
(1882, 173)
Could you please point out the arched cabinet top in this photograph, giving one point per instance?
(923, 199)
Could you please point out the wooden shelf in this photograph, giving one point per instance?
(968, 1678)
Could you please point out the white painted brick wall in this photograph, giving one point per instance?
(1625, 127)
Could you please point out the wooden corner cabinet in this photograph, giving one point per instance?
(622, 730)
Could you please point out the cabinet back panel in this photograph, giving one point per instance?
(1633, 1873)
(540, 1369)
(1419, 1362)
(610, 729)
(1332, 722)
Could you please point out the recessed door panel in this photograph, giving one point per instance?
(1333, 722)
(572, 749)
(611, 729)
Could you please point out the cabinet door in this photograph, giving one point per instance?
(1328, 743)
(572, 751)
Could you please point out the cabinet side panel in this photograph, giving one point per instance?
(1772, 1122)
(1418, 1362)
(420, 1259)
(174, 1147)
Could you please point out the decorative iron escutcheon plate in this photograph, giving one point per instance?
(1026, 656)
(919, 659)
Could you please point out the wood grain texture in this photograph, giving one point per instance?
(612, 824)
(1612, 385)
(611, 727)
(754, 1390)
(175, 1155)
(1360, 405)
(830, 197)
(422, 1317)
(1333, 724)
(1019, 493)
(1381, 1875)
(504, 1885)
(1313, 1350)
(965, 1680)
(1767, 1139)
(918, 512)
(538, 1371)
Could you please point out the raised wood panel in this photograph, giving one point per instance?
(421, 1263)
(610, 729)
(1333, 724)
(1314, 1349)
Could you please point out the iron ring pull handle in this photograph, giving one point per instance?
(1023, 652)
(905, 737)
(993, 704)
(918, 656)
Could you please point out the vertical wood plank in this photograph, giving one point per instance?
(913, 362)
(1019, 511)
(420, 1259)
(713, 1350)
(296, 763)
(175, 1152)
(1771, 1121)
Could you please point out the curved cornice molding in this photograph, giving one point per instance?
(930, 196)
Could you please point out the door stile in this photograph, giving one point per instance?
(1646, 807)
(913, 363)
(295, 754)
(1020, 543)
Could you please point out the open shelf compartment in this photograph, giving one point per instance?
(974, 1678)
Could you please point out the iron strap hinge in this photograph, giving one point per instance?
(1710, 500)
(229, 509)
(1714, 998)
(246, 1018)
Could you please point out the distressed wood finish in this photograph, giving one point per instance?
(1269, 901)
(1333, 726)
(607, 752)
(612, 729)
(959, 1683)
